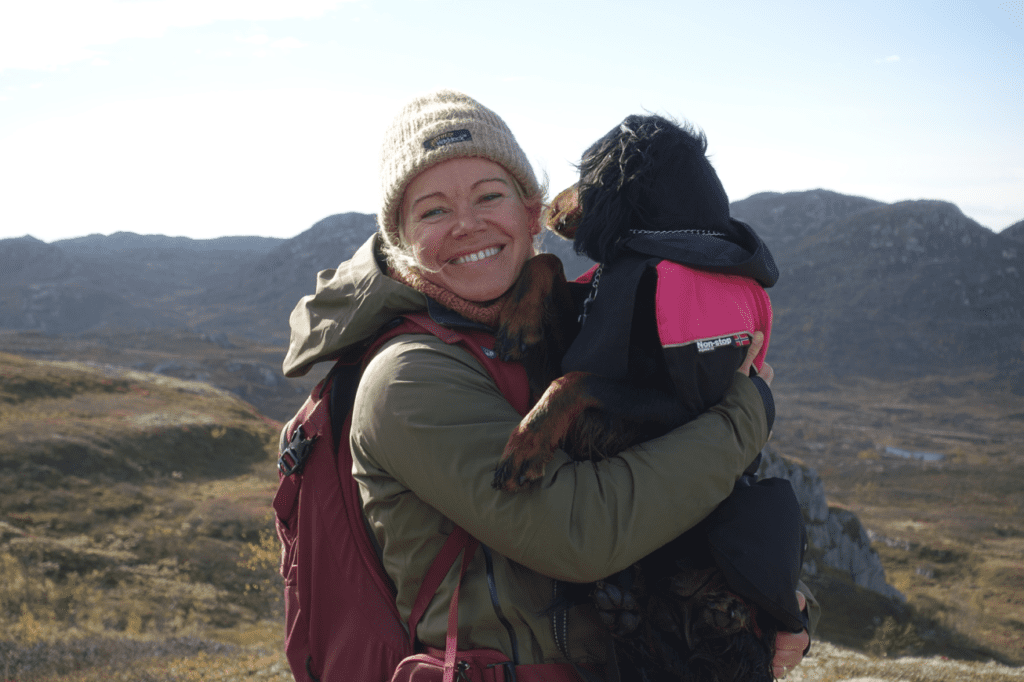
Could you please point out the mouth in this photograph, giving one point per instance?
(477, 256)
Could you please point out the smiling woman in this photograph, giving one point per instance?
(468, 227)
(459, 208)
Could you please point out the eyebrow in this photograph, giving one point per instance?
(473, 186)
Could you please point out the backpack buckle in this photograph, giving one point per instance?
(508, 669)
(294, 457)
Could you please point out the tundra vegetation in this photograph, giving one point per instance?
(136, 541)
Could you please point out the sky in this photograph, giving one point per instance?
(209, 118)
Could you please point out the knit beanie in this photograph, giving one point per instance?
(436, 127)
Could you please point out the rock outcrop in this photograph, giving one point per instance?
(835, 536)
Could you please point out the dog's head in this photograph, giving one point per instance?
(647, 174)
(563, 216)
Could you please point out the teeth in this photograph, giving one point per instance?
(479, 255)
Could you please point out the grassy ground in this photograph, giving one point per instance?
(136, 543)
(134, 515)
(950, 533)
(825, 663)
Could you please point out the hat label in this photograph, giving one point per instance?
(451, 137)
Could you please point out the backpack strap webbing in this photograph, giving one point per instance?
(457, 541)
(509, 377)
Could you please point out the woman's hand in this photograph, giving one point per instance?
(790, 646)
(766, 373)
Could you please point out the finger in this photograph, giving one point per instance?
(752, 351)
(766, 373)
(801, 600)
(788, 643)
(789, 647)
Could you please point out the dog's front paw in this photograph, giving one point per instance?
(526, 455)
(516, 334)
(534, 441)
(723, 613)
(617, 607)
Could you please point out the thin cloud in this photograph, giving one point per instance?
(47, 34)
(288, 44)
(262, 40)
(888, 60)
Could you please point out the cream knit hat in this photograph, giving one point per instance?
(436, 127)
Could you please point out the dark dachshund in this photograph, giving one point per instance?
(667, 319)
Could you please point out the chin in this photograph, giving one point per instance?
(485, 287)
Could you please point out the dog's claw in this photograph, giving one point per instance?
(512, 479)
(618, 608)
(513, 345)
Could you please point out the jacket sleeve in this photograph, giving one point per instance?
(428, 416)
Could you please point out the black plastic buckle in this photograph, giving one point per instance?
(294, 457)
(508, 668)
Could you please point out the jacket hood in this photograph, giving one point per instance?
(740, 252)
(352, 302)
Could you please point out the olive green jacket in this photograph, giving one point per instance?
(428, 426)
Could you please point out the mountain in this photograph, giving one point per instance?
(121, 281)
(785, 219)
(876, 289)
(1014, 232)
(130, 243)
(866, 288)
(257, 302)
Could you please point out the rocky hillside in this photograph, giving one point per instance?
(128, 501)
(121, 281)
(871, 289)
(866, 288)
(1014, 232)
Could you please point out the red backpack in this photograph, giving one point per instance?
(341, 621)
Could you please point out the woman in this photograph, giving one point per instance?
(460, 208)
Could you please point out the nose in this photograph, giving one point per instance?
(467, 222)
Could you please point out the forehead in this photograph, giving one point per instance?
(455, 174)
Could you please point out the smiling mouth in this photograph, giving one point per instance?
(479, 255)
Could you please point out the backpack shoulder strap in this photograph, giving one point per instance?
(324, 533)
(510, 377)
(457, 541)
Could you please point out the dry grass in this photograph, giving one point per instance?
(136, 544)
(136, 523)
(829, 663)
(950, 534)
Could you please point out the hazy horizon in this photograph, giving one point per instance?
(220, 117)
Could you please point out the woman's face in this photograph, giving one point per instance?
(468, 227)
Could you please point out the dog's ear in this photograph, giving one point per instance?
(565, 213)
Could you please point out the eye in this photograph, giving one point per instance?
(489, 197)
(431, 213)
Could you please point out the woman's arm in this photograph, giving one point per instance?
(428, 415)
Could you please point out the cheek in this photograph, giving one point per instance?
(423, 244)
